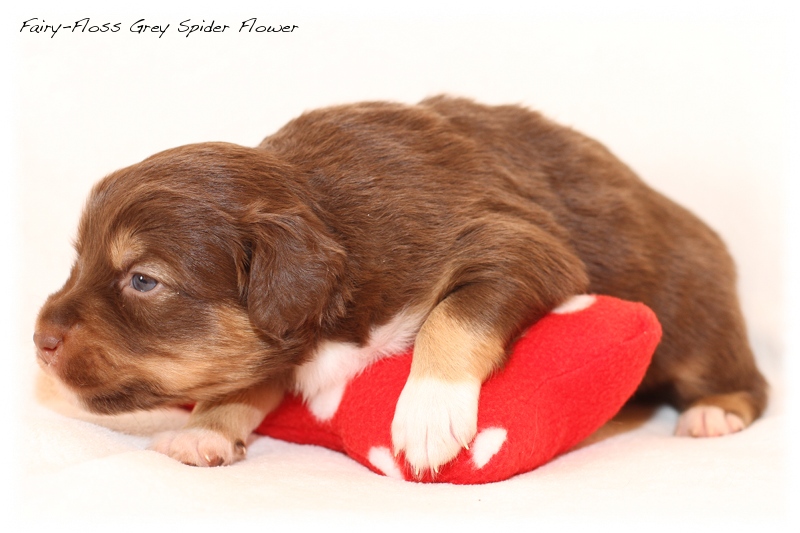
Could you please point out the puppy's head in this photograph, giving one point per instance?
(200, 271)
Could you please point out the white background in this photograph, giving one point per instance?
(698, 97)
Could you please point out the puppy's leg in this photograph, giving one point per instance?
(437, 412)
(217, 431)
(725, 392)
(716, 386)
(506, 274)
(705, 367)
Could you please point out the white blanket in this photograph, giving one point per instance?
(96, 470)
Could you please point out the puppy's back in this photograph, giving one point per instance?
(446, 159)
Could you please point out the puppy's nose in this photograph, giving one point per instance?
(47, 346)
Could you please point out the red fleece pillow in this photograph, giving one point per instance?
(569, 374)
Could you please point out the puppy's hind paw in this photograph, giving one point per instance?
(199, 447)
(708, 421)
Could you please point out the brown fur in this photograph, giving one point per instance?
(349, 215)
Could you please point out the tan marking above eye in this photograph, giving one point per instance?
(126, 252)
(125, 249)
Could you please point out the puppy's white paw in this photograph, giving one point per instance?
(434, 420)
(199, 447)
(707, 421)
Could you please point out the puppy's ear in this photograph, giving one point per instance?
(295, 274)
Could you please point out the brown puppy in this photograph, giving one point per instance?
(225, 275)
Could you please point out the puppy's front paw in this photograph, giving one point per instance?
(434, 420)
(199, 447)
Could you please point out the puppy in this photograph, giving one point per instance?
(224, 276)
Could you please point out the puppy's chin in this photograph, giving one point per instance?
(73, 400)
(53, 392)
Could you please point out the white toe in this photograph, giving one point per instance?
(198, 447)
(707, 421)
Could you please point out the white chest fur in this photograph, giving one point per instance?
(322, 380)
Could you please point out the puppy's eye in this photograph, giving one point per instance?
(142, 283)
